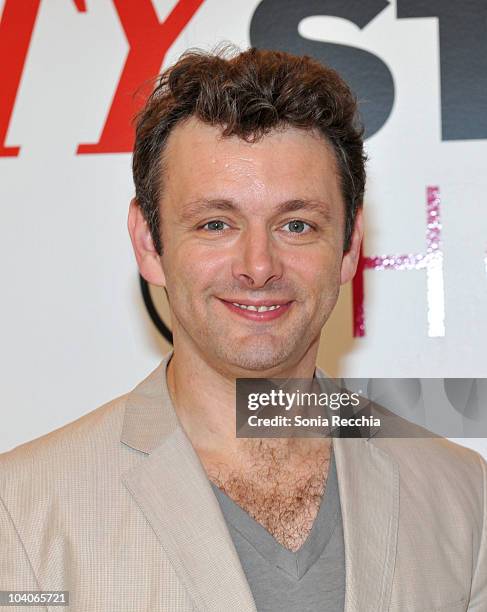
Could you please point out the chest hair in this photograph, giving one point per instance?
(281, 490)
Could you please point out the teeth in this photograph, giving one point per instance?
(257, 308)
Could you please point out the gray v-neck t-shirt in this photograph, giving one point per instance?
(311, 579)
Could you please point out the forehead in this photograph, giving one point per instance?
(285, 163)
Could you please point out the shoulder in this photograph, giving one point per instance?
(69, 449)
(423, 454)
(433, 455)
(440, 473)
(88, 454)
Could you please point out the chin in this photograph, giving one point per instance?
(256, 358)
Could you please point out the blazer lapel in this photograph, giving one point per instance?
(171, 488)
(368, 481)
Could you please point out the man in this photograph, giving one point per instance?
(249, 176)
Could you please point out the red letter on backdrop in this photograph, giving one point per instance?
(149, 42)
(16, 29)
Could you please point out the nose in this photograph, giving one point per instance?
(257, 262)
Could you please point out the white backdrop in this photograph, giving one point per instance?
(74, 329)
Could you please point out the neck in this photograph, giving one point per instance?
(205, 405)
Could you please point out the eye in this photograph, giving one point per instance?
(215, 225)
(297, 227)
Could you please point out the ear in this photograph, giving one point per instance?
(148, 259)
(351, 257)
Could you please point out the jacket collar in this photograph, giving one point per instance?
(149, 413)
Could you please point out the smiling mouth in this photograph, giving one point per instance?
(264, 310)
(257, 308)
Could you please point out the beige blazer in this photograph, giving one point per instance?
(117, 509)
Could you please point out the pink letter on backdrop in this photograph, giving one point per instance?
(149, 42)
(432, 261)
(16, 27)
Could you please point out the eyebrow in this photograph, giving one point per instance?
(197, 207)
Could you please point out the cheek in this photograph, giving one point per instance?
(316, 268)
(195, 268)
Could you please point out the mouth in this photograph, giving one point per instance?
(263, 310)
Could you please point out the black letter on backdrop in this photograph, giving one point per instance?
(463, 61)
(275, 24)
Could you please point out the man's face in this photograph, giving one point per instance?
(252, 224)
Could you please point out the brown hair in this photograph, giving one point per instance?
(248, 95)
